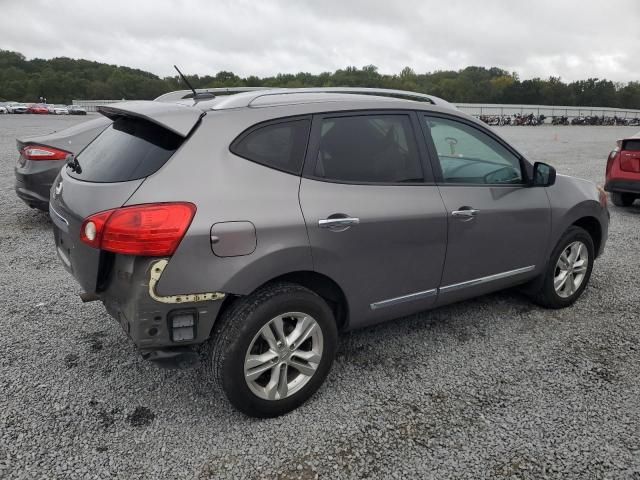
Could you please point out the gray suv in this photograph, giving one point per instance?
(263, 224)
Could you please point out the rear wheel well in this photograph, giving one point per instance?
(592, 226)
(314, 281)
(323, 286)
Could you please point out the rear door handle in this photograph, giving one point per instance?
(340, 222)
(465, 212)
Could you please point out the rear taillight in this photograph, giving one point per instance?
(150, 230)
(43, 153)
(630, 161)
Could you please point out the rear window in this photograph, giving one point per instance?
(279, 145)
(129, 149)
(632, 145)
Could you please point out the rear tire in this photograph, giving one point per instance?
(622, 199)
(253, 349)
(565, 278)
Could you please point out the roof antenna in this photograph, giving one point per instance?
(196, 95)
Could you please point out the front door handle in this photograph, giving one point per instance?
(465, 212)
(341, 223)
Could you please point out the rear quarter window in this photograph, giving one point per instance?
(128, 149)
(281, 145)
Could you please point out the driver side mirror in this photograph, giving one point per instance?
(544, 175)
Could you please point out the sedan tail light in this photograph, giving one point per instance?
(35, 152)
(150, 230)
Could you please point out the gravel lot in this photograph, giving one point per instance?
(490, 388)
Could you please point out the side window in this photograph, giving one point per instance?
(279, 145)
(368, 148)
(468, 155)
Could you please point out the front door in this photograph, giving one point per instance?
(498, 226)
(376, 222)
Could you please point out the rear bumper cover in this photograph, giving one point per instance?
(34, 180)
(32, 198)
(146, 320)
(623, 186)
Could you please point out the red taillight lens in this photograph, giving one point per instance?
(630, 161)
(43, 153)
(151, 230)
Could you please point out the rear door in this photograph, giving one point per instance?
(375, 219)
(498, 226)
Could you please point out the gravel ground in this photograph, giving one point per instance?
(489, 388)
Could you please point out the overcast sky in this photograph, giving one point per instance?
(566, 38)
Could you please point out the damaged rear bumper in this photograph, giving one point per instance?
(164, 328)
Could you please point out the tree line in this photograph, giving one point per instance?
(62, 79)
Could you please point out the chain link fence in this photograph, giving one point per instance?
(477, 109)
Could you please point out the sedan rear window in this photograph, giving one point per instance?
(129, 149)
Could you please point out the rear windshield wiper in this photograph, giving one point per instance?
(73, 164)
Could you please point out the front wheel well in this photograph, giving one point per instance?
(593, 228)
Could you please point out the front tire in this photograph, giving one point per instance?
(271, 351)
(568, 271)
(622, 199)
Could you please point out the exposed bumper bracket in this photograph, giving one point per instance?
(156, 272)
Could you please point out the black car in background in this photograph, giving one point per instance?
(42, 157)
(76, 110)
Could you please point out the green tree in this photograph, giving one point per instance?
(63, 79)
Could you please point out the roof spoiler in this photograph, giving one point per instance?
(180, 119)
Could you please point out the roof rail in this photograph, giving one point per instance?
(247, 99)
(187, 94)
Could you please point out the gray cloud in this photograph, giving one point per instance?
(572, 39)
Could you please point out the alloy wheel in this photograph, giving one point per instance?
(283, 356)
(571, 269)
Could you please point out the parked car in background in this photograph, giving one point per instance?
(59, 110)
(15, 107)
(622, 177)
(42, 157)
(76, 110)
(38, 108)
(264, 232)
